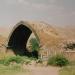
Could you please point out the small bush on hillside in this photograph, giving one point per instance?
(13, 59)
(58, 60)
(18, 60)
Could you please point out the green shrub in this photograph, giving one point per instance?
(58, 60)
(2, 61)
(34, 44)
(17, 60)
(12, 59)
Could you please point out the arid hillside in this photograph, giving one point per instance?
(67, 31)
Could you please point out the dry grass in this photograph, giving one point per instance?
(12, 70)
(69, 70)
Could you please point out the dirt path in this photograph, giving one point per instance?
(36, 70)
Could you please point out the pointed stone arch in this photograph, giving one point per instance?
(19, 36)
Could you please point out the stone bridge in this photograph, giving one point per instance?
(49, 39)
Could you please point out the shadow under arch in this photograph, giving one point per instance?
(18, 39)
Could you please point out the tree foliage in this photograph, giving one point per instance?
(34, 44)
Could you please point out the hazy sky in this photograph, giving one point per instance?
(59, 12)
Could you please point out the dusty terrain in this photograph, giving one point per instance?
(38, 70)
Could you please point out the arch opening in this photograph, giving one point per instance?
(18, 41)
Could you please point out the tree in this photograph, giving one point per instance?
(34, 44)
